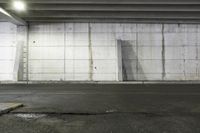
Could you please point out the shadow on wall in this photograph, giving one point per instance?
(131, 67)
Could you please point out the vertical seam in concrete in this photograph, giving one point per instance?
(90, 53)
(73, 24)
(137, 61)
(163, 53)
(27, 54)
(183, 55)
(197, 52)
(64, 48)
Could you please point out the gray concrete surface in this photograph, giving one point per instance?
(115, 123)
(7, 107)
(61, 108)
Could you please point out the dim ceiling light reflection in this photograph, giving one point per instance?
(19, 5)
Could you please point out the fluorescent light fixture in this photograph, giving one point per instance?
(19, 5)
(4, 12)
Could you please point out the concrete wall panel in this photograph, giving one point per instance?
(104, 52)
(6, 67)
(46, 66)
(47, 77)
(46, 52)
(7, 53)
(181, 52)
(8, 42)
(104, 67)
(76, 51)
(81, 67)
(88, 51)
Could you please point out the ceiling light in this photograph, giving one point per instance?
(19, 5)
(4, 12)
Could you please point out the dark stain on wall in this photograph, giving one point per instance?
(163, 53)
(91, 64)
(131, 66)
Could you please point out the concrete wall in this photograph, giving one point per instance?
(182, 43)
(83, 51)
(12, 41)
(90, 52)
(8, 37)
(162, 52)
(78, 51)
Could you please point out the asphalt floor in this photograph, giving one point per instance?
(103, 108)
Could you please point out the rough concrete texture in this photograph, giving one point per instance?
(149, 51)
(100, 98)
(12, 47)
(99, 108)
(88, 52)
(111, 123)
(7, 50)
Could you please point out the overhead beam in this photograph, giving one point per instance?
(105, 7)
(108, 1)
(12, 18)
(108, 10)
(97, 14)
(114, 20)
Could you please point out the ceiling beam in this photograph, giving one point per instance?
(85, 20)
(11, 18)
(113, 7)
(105, 14)
(108, 1)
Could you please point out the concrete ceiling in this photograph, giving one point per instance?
(181, 11)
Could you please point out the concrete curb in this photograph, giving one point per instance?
(7, 107)
(98, 82)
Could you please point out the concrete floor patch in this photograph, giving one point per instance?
(6, 107)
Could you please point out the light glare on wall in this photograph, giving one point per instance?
(19, 5)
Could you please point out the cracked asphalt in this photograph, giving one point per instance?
(103, 108)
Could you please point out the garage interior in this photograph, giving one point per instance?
(95, 66)
(100, 41)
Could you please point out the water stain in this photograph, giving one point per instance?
(91, 63)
